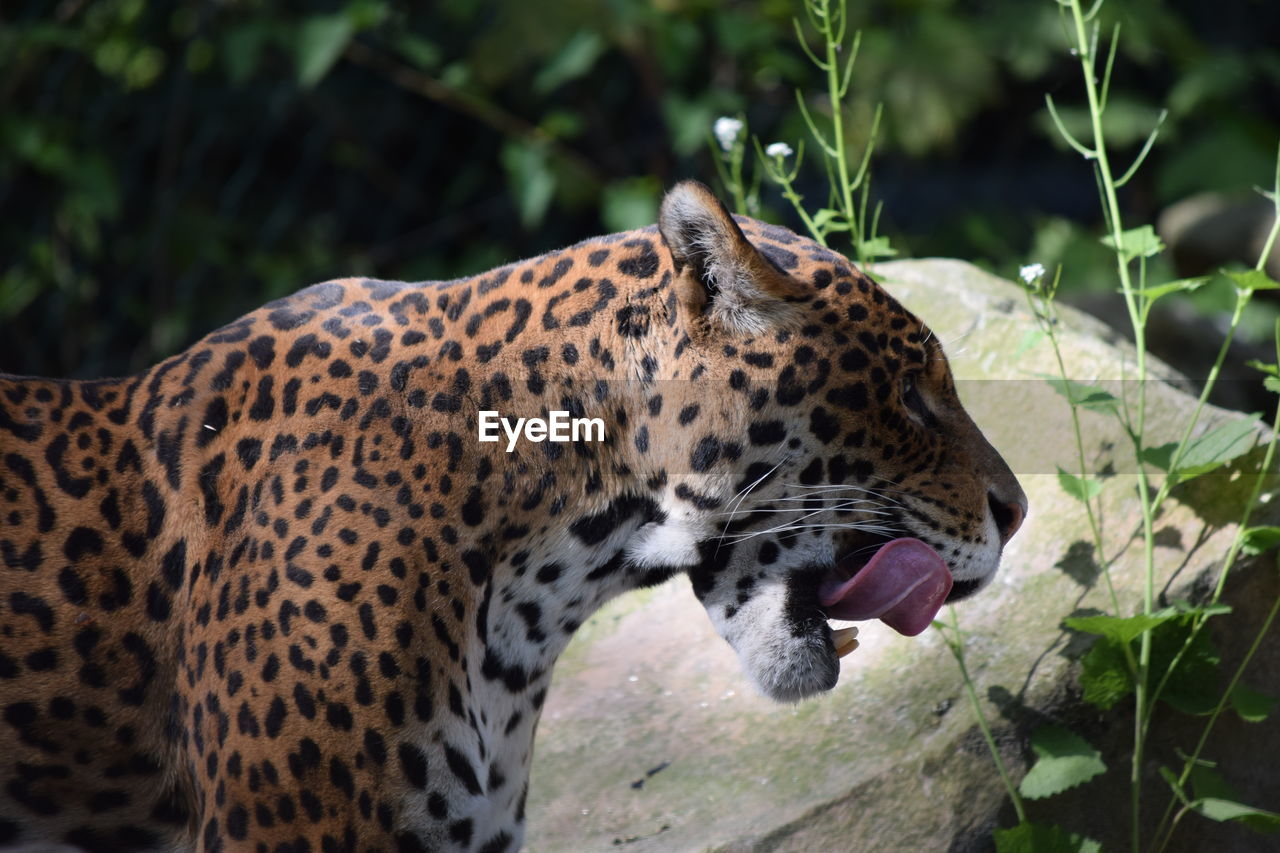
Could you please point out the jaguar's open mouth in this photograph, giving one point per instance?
(963, 589)
(902, 582)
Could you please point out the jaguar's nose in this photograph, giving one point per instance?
(1008, 511)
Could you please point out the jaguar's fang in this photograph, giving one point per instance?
(845, 640)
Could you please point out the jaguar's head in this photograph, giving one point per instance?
(832, 472)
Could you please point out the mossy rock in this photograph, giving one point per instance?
(652, 739)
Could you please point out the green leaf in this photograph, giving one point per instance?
(242, 49)
(1260, 539)
(1140, 242)
(530, 179)
(877, 248)
(1181, 285)
(1224, 810)
(1207, 781)
(1217, 447)
(321, 40)
(144, 67)
(1269, 369)
(563, 124)
(1030, 338)
(18, 289)
(417, 50)
(575, 59)
(1208, 452)
(631, 203)
(1222, 798)
(1192, 688)
(1122, 629)
(1042, 838)
(1185, 607)
(1080, 489)
(829, 219)
(1160, 456)
(1252, 280)
(1252, 706)
(1172, 778)
(1272, 383)
(1083, 490)
(1104, 674)
(365, 14)
(1084, 395)
(1065, 761)
(689, 121)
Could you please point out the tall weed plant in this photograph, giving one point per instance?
(844, 211)
(1157, 655)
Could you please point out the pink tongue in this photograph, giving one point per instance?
(904, 585)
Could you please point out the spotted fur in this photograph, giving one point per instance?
(273, 594)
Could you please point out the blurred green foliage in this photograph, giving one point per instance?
(165, 167)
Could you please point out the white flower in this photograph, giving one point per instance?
(726, 130)
(779, 149)
(1031, 273)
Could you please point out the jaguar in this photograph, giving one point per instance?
(273, 594)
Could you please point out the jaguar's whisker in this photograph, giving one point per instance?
(742, 495)
(880, 493)
(795, 528)
(810, 511)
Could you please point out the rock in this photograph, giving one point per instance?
(1205, 233)
(1211, 230)
(652, 739)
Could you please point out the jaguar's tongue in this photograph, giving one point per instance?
(904, 585)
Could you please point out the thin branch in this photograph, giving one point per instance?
(805, 46)
(848, 67)
(484, 112)
(813, 127)
(1146, 149)
(1111, 59)
(1086, 153)
(871, 144)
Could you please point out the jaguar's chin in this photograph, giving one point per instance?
(797, 667)
(783, 640)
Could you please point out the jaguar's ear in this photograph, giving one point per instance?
(720, 275)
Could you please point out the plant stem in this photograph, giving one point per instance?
(1134, 303)
(1217, 712)
(1229, 561)
(797, 202)
(1242, 298)
(736, 156)
(1050, 319)
(956, 646)
(837, 114)
(1200, 619)
(1236, 545)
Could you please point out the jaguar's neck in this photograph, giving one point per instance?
(465, 564)
(562, 527)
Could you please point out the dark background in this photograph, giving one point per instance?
(165, 167)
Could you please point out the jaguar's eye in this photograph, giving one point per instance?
(907, 389)
(912, 399)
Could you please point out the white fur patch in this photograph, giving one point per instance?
(667, 544)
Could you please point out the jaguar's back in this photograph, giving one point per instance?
(88, 648)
